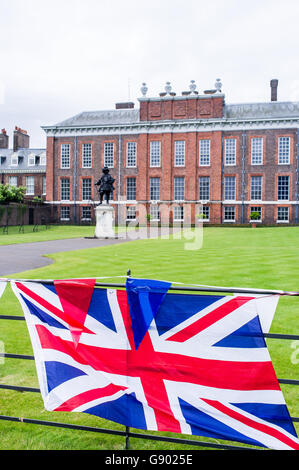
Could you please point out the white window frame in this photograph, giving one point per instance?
(30, 184)
(227, 182)
(85, 189)
(132, 216)
(68, 210)
(65, 156)
(177, 186)
(86, 155)
(155, 213)
(61, 188)
(204, 184)
(179, 153)
(155, 153)
(108, 154)
(230, 152)
(254, 187)
(202, 210)
(131, 155)
(15, 179)
(204, 152)
(155, 188)
(84, 208)
(283, 221)
(257, 150)
(234, 210)
(131, 188)
(31, 159)
(282, 155)
(14, 160)
(178, 214)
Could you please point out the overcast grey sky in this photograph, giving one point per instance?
(61, 57)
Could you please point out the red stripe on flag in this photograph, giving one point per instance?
(253, 424)
(88, 396)
(167, 366)
(209, 319)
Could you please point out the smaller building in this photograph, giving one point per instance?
(22, 165)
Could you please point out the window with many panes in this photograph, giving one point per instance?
(86, 213)
(283, 188)
(204, 213)
(256, 188)
(204, 188)
(284, 150)
(178, 213)
(204, 152)
(230, 147)
(65, 156)
(13, 181)
(86, 155)
(131, 154)
(29, 185)
(179, 188)
(109, 154)
(86, 189)
(283, 214)
(257, 151)
(179, 153)
(131, 213)
(64, 213)
(155, 189)
(258, 210)
(155, 153)
(65, 189)
(230, 188)
(131, 189)
(155, 212)
(229, 213)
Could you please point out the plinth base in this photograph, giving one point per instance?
(104, 221)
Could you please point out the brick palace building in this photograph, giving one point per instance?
(179, 156)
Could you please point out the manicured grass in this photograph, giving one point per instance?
(43, 233)
(245, 257)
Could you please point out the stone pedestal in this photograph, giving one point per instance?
(104, 221)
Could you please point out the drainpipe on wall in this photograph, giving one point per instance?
(243, 178)
(119, 186)
(75, 181)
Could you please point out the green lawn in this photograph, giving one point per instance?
(258, 258)
(43, 233)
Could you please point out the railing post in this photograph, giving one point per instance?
(127, 427)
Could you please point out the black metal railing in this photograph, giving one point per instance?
(127, 434)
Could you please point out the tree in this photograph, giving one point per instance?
(11, 193)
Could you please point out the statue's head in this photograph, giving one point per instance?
(105, 170)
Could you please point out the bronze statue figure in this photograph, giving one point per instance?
(105, 184)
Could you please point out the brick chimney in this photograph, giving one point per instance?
(20, 139)
(126, 105)
(274, 85)
(4, 139)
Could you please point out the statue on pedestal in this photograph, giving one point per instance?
(105, 184)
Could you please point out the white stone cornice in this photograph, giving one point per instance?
(151, 127)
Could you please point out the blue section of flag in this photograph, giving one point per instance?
(59, 372)
(177, 308)
(43, 316)
(126, 410)
(203, 424)
(144, 298)
(273, 413)
(248, 336)
(99, 309)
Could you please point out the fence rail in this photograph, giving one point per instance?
(127, 434)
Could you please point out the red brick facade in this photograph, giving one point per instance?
(236, 162)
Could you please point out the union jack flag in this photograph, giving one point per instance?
(150, 359)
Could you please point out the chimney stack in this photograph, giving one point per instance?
(274, 85)
(20, 139)
(4, 139)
